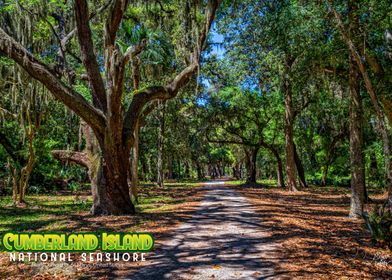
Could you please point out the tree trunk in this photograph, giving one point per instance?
(279, 173)
(134, 159)
(351, 39)
(217, 170)
(279, 170)
(108, 172)
(187, 169)
(251, 165)
(21, 167)
(356, 156)
(108, 167)
(199, 170)
(211, 171)
(145, 170)
(170, 168)
(134, 179)
(237, 170)
(300, 168)
(279, 167)
(325, 174)
(161, 136)
(109, 186)
(289, 134)
(14, 176)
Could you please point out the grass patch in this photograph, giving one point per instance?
(53, 212)
(42, 212)
(264, 182)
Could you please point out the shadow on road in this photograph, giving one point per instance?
(222, 240)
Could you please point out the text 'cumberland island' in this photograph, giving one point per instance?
(74, 242)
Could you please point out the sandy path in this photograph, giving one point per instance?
(223, 240)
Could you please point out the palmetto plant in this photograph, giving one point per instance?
(158, 54)
(379, 223)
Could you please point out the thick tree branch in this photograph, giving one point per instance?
(116, 13)
(243, 141)
(170, 90)
(140, 99)
(68, 37)
(133, 51)
(42, 73)
(149, 108)
(88, 56)
(232, 130)
(72, 156)
(130, 54)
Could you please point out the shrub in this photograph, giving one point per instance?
(379, 223)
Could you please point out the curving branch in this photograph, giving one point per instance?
(88, 55)
(116, 13)
(72, 156)
(42, 73)
(242, 140)
(133, 51)
(68, 37)
(219, 141)
(148, 109)
(171, 89)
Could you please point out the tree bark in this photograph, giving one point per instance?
(22, 167)
(187, 169)
(134, 161)
(325, 174)
(170, 168)
(289, 132)
(211, 171)
(279, 174)
(110, 191)
(161, 138)
(107, 174)
(356, 149)
(300, 169)
(199, 170)
(217, 171)
(279, 167)
(251, 165)
(237, 170)
(279, 170)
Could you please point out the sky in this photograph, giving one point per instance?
(216, 49)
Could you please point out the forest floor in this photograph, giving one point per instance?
(228, 231)
(315, 237)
